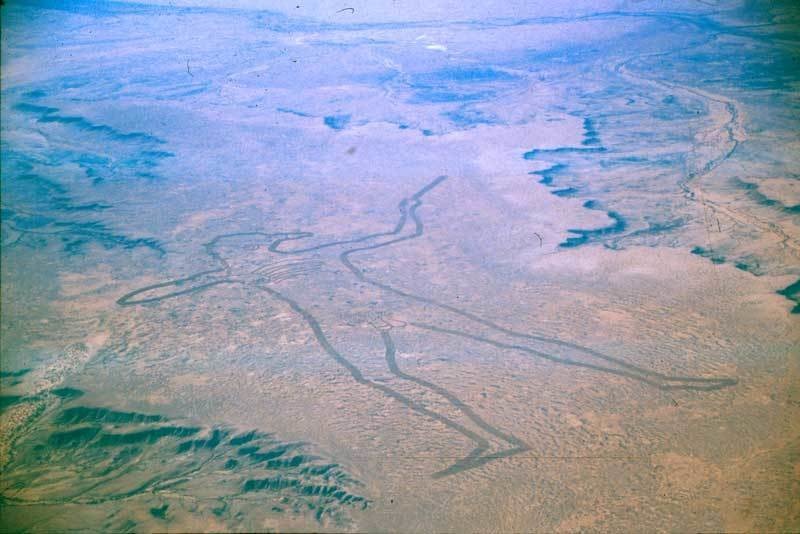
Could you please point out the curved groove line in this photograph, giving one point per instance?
(637, 373)
(286, 269)
(391, 362)
(467, 463)
(647, 377)
(126, 299)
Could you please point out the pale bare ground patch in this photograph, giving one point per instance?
(198, 220)
(68, 363)
(683, 474)
(12, 420)
(74, 284)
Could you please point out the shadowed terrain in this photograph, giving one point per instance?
(106, 458)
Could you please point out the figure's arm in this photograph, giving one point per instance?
(173, 288)
(277, 245)
(407, 208)
(402, 231)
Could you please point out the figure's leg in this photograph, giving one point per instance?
(588, 358)
(473, 460)
(585, 357)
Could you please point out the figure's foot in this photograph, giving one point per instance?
(477, 458)
(698, 384)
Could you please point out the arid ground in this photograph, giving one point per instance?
(400, 267)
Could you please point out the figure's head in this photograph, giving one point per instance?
(244, 252)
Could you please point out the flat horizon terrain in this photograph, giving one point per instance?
(387, 267)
